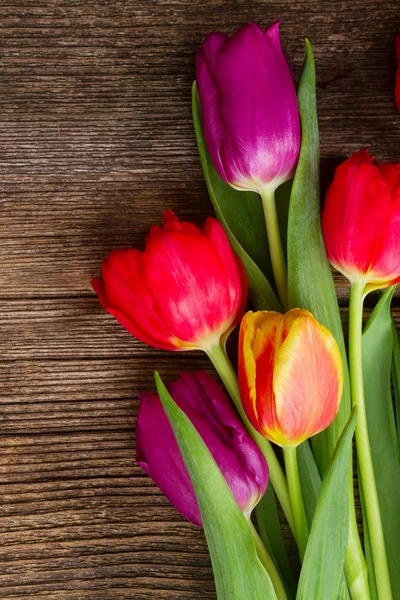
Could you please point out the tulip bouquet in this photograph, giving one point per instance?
(280, 435)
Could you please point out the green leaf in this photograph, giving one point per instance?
(343, 594)
(309, 276)
(367, 546)
(282, 202)
(241, 214)
(271, 534)
(310, 479)
(377, 359)
(396, 377)
(238, 572)
(322, 573)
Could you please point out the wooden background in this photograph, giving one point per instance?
(96, 141)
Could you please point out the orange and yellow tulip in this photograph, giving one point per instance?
(290, 375)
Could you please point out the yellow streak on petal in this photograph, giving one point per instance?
(276, 436)
(247, 333)
(268, 325)
(265, 322)
(257, 335)
(301, 391)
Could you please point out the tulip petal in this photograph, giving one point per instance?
(247, 369)
(258, 339)
(308, 378)
(99, 288)
(153, 445)
(385, 268)
(132, 308)
(244, 287)
(209, 96)
(188, 284)
(236, 280)
(357, 210)
(172, 223)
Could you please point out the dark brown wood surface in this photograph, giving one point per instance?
(96, 141)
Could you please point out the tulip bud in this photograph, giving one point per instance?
(361, 221)
(249, 107)
(185, 290)
(237, 456)
(290, 375)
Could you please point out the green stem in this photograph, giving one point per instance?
(268, 563)
(227, 373)
(355, 566)
(296, 497)
(275, 245)
(372, 510)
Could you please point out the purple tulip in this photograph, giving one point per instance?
(235, 453)
(249, 107)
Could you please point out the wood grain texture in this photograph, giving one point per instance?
(96, 141)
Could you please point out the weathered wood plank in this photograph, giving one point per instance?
(53, 266)
(78, 328)
(81, 395)
(48, 264)
(95, 141)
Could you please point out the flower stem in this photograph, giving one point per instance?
(372, 510)
(275, 245)
(355, 566)
(296, 497)
(268, 563)
(227, 373)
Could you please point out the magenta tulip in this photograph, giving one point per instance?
(235, 453)
(249, 107)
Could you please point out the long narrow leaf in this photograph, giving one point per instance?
(238, 572)
(367, 546)
(377, 359)
(310, 479)
(322, 573)
(271, 534)
(309, 275)
(396, 378)
(310, 486)
(242, 217)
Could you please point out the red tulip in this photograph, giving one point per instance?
(184, 291)
(361, 221)
(290, 375)
(397, 91)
